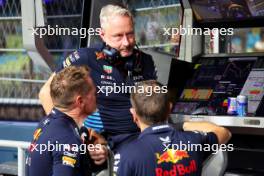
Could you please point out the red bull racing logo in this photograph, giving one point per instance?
(171, 156)
(100, 55)
(174, 157)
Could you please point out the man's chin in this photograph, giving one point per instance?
(126, 53)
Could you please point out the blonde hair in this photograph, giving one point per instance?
(68, 83)
(110, 11)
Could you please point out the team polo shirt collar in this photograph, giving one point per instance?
(58, 114)
(156, 129)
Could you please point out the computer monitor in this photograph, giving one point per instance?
(254, 90)
(226, 10)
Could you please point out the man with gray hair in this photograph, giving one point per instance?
(115, 65)
(122, 37)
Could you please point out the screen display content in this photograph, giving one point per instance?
(254, 90)
(214, 80)
(209, 10)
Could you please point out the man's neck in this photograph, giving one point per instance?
(74, 114)
(143, 127)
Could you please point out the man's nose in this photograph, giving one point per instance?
(125, 41)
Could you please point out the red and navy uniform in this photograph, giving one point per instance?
(157, 152)
(113, 115)
(63, 155)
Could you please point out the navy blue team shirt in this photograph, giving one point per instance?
(152, 153)
(56, 130)
(113, 115)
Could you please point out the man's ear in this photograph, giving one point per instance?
(132, 111)
(171, 105)
(102, 34)
(134, 115)
(79, 101)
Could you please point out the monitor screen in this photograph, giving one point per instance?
(209, 10)
(196, 94)
(185, 107)
(237, 69)
(254, 89)
(210, 71)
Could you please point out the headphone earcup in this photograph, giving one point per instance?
(111, 53)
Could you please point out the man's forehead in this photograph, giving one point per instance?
(118, 19)
(117, 25)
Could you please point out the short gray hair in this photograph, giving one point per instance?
(111, 10)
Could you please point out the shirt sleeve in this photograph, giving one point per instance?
(209, 138)
(79, 57)
(66, 157)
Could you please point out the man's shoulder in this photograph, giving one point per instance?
(90, 51)
(196, 137)
(134, 147)
(143, 54)
(133, 150)
(147, 63)
(57, 126)
(81, 56)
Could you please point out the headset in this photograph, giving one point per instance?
(112, 54)
(133, 64)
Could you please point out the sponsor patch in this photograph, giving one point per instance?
(76, 55)
(69, 154)
(68, 161)
(37, 133)
(71, 58)
(99, 55)
(108, 69)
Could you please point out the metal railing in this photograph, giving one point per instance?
(21, 155)
(20, 91)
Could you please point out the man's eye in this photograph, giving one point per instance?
(130, 34)
(118, 37)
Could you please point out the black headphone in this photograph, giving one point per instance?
(111, 53)
(133, 64)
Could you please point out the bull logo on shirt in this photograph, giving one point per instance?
(174, 157)
(171, 156)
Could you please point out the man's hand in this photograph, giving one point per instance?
(96, 138)
(99, 156)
